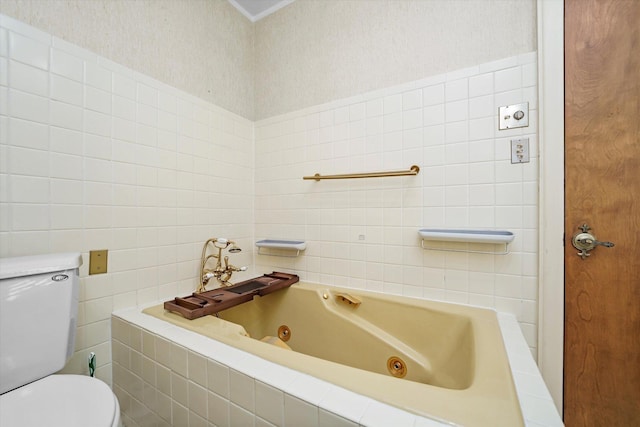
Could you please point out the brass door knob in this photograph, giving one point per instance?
(586, 241)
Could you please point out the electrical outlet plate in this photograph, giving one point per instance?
(513, 116)
(98, 261)
(520, 150)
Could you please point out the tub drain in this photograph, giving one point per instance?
(396, 367)
(284, 333)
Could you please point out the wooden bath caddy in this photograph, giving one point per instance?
(210, 302)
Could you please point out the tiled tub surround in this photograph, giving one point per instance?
(363, 233)
(96, 156)
(166, 375)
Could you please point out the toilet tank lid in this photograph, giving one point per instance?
(38, 264)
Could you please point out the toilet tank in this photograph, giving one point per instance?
(38, 312)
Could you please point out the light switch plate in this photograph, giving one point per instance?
(520, 150)
(98, 261)
(513, 116)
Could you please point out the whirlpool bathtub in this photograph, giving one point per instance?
(439, 360)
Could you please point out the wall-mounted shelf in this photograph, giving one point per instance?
(285, 245)
(493, 237)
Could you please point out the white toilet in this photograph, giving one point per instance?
(38, 315)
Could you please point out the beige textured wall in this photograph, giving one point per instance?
(310, 52)
(315, 51)
(204, 47)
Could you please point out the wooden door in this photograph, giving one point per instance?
(602, 189)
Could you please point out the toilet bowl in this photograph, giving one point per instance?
(38, 318)
(60, 401)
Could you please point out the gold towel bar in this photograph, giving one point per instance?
(414, 170)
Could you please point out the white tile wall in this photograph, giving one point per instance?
(96, 156)
(364, 233)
